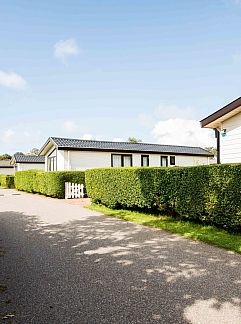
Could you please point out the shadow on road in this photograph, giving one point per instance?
(103, 270)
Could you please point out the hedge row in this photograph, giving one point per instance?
(6, 181)
(47, 183)
(210, 194)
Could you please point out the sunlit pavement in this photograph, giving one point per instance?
(67, 264)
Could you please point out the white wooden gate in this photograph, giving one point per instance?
(74, 190)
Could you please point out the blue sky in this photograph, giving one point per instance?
(108, 69)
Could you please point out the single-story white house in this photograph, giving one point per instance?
(227, 125)
(6, 167)
(77, 154)
(22, 162)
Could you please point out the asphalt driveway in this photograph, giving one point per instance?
(65, 264)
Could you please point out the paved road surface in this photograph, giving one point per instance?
(66, 264)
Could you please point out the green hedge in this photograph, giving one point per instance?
(7, 180)
(47, 183)
(210, 194)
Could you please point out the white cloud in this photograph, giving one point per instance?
(118, 139)
(180, 131)
(165, 112)
(70, 126)
(64, 49)
(12, 80)
(88, 137)
(8, 136)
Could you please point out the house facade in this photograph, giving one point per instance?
(75, 154)
(21, 162)
(6, 167)
(226, 123)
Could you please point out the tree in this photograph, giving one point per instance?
(5, 157)
(212, 150)
(19, 153)
(33, 151)
(134, 140)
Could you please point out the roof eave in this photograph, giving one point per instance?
(215, 119)
(69, 148)
(43, 150)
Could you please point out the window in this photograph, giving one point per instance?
(172, 160)
(121, 160)
(164, 161)
(52, 161)
(116, 160)
(127, 160)
(145, 160)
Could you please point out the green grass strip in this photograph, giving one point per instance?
(208, 234)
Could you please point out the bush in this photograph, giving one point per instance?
(47, 183)
(7, 180)
(53, 183)
(207, 194)
(25, 180)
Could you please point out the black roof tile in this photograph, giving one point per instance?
(68, 143)
(21, 158)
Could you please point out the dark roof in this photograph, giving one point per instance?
(5, 164)
(221, 112)
(21, 158)
(79, 144)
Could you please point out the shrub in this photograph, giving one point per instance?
(47, 183)
(25, 180)
(207, 194)
(7, 180)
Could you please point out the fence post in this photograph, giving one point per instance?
(82, 190)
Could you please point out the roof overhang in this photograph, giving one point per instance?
(47, 146)
(215, 120)
(112, 150)
(12, 161)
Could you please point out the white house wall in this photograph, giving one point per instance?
(7, 171)
(30, 166)
(230, 145)
(82, 160)
(189, 160)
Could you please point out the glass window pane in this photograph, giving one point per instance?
(172, 160)
(54, 163)
(164, 161)
(127, 160)
(116, 160)
(145, 161)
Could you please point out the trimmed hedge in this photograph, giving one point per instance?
(47, 183)
(7, 180)
(208, 194)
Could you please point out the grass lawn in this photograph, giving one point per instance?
(208, 234)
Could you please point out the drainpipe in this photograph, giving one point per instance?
(217, 135)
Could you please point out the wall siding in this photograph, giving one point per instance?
(30, 166)
(7, 171)
(82, 160)
(230, 145)
(87, 160)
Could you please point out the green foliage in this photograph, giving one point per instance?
(212, 150)
(134, 140)
(33, 151)
(206, 194)
(191, 230)
(7, 181)
(25, 180)
(47, 183)
(5, 157)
